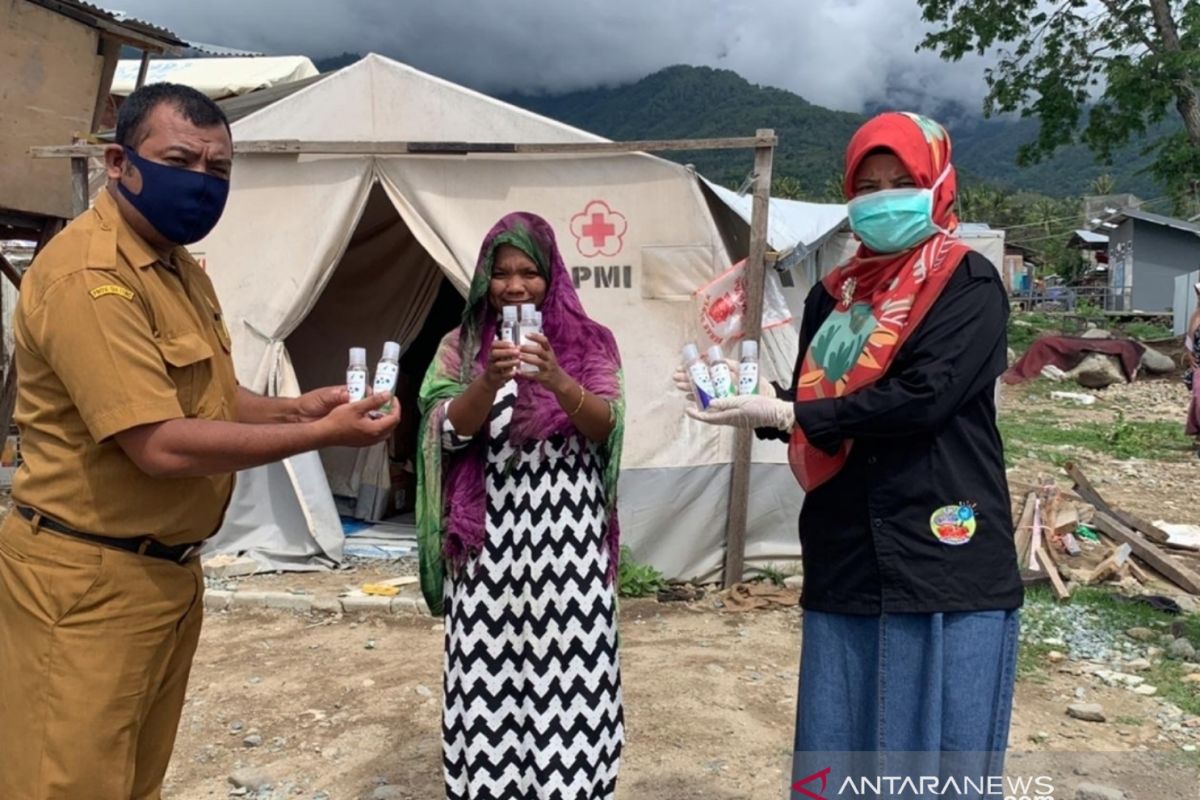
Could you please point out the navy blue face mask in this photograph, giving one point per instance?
(181, 204)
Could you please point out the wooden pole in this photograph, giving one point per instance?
(79, 185)
(143, 68)
(110, 51)
(756, 265)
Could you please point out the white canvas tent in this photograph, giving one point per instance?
(216, 77)
(318, 253)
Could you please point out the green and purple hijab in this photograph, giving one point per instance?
(451, 486)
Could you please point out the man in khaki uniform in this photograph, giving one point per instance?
(132, 426)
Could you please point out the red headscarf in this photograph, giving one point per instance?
(882, 298)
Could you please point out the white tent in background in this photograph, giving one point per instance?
(216, 77)
(318, 253)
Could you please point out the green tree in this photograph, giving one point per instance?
(1097, 71)
(1103, 185)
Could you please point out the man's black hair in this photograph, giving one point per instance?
(195, 107)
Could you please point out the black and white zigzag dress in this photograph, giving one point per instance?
(532, 686)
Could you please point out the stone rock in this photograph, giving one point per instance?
(286, 601)
(1097, 371)
(252, 740)
(1146, 690)
(251, 778)
(1055, 657)
(1156, 363)
(1141, 634)
(217, 599)
(1053, 373)
(388, 793)
(1012, 356)
(1193, 678)
(424, 691)
(236, 726)
(227, 565)
(1096, 333)
(1094, 791)
(1138, 665)
(794, 582)
(1181, 650)
(1087, 712)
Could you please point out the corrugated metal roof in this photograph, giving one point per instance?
(136, 30)
(1154, 219)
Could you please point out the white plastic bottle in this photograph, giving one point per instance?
(508, 324)
(748, 368)
(698, 372)
(529, 324)
(718, 370)
(386, 373)
(356, 374)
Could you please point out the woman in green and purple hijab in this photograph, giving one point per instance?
(518, 532)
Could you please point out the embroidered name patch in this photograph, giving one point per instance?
(111, 288)
(953, 524)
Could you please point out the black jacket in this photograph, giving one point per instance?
(891, 532)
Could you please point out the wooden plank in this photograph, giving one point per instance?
(297, 147)
(1060, 588)
(1089, 493)
(79, 186)
(1147, 552)
(1024, 530)
(739, 479)
(10, 272)
(110, 51)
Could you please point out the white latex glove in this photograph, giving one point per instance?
(747, 411)
(684, 383)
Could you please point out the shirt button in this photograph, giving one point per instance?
(872, 459)
(878, 522)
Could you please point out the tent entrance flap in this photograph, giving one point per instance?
(385, 287)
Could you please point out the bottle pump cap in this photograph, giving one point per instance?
(509, 314)
(690, 353)
(715, 355)
(750, 349)
(358, 356)
(391, 351)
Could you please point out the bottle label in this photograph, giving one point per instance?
(528, 369)
(356, 383)
(385, 381)
(748, 377)
(508, 332)
(722, 379)
(701, 383)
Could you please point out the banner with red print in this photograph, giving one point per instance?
(721, 304)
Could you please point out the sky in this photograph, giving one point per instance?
(841, 54)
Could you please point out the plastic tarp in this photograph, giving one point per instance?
(637, 237)
(216, 77)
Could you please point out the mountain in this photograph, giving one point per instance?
(685, 101)
(701, 102)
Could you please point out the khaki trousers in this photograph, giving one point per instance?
(95, 649)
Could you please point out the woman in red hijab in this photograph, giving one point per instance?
(911, 586)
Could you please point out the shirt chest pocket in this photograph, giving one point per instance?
(189, 361)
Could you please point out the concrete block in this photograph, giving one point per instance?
(326, 604)
(287, 601)
(217, 600)
(366, 604)
(243, 599)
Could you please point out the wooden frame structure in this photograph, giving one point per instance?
(763, 144)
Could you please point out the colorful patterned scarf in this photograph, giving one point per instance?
(882, 298)
(451, 487)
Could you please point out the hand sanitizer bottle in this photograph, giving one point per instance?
(508, 324)
(722, 378)
(529, 324)
(386, 373)
(356, 374)
(748, 368)
(698, 372)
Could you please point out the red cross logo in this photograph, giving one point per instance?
(598, 230)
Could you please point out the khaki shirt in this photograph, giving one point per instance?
(109, 337)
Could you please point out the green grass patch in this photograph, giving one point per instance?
(1050, 437)
(1147, 331)
(637, 580)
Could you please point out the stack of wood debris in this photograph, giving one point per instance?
(1076, 538)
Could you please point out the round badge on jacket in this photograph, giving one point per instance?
(953, 524)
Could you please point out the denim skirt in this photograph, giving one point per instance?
(927, 697)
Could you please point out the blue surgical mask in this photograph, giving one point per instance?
(894, 220)
(181, 204)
